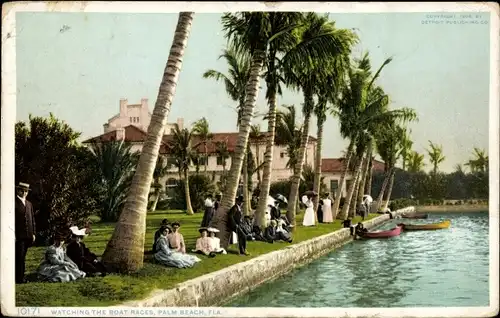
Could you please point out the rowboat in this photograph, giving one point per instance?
(433, 226)
(383, 234)
(415, 216)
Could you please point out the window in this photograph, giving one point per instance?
(334, 184)
(131, 119)
(282, 155)
(170, 162)
(219, 161)
(136, 119)
(202, 161)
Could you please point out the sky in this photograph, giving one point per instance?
(79, 65)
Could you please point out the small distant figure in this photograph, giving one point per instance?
(209, 211)
(320, 211)
(360, 229)
(327, 209)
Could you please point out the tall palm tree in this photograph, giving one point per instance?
(436, 156)
(328, 60)
(161, 170)
(479, 163)
(184, 153)
(223, 153)
(256, 137)
(125, 250)
(202, 128)
(406, 145)
(247, 32)
(415, 162)
(288, 133)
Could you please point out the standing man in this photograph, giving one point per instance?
(234, 223)
(25, 229)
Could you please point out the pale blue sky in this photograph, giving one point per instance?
(79, 74)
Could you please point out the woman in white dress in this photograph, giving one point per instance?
(309, 219)
(327, 209)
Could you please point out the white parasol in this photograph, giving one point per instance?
(282, 198)
(367, 198)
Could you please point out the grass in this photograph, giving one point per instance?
(114, 289)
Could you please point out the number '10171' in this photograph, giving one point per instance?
(28, 311)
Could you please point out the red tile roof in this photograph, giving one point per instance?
(135, 134)
(336, 165)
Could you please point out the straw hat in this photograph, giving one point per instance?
(212, 229)
(23, 186)
(78, 232)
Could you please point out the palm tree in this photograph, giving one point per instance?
(183, 151)
(115, 162)
(161, 170)
(223, 153)
(326, 61)
(436, 156)
(406, 145)
(288, 133)
(363, 111)
(125, 250)
(415, 162)
(256, 137)
(202, 129)
(479, 163)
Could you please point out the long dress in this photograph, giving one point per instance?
(208, 214)
(309, 219)
(327, 211)
(168, 257)
(58, 267)
(215, 245)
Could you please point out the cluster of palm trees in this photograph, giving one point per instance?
(300, 51)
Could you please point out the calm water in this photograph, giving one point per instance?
(417, 269)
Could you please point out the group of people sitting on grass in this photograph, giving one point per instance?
(71, 262)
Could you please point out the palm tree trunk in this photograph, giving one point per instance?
(157, 196)
(257, 164)
(338, 193)
(246, 210)
(389, 191)
(206, 158)
(368, 186)
(268, 158)
(354, 199)
(252, 90)
(294, 188)
(125, 250)
(364, 173)
(317, 171)
(189, 207)
(382, 190)
(350, 192)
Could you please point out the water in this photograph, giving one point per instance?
(443, 268)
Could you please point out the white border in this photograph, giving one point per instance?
(8, 116)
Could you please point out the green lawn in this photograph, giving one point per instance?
(114, 289)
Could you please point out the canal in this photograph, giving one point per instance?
(447, 268)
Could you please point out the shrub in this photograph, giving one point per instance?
(63, 182)
(402, 203)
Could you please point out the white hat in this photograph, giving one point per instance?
(212, 229)
(77, 232)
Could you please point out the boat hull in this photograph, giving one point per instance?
(424, 227)
(383, 234)
(416, 216)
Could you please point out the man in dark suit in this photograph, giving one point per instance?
(234, 222)
(25, 229)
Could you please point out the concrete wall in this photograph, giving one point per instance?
(219, 287)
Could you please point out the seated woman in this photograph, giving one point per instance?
(176, 239)
(215, 242)
(82, 256)
(57, 266)
(165, 222)
(204, 243)
(281, 233)
(170, 257)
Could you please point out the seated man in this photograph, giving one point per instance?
(82, 256)
(360, 229)
(204, 243)
(270, 232)
(281, 233)
(246, 226)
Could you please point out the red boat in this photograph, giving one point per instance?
(383, 234)
(415, 216)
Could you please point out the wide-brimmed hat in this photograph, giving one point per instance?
(175, 223)
(213, 230)
(23, 186)
(78, 232)
(202, 229)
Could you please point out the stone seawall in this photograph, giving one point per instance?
(217, 288)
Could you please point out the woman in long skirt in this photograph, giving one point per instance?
(309, 219)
